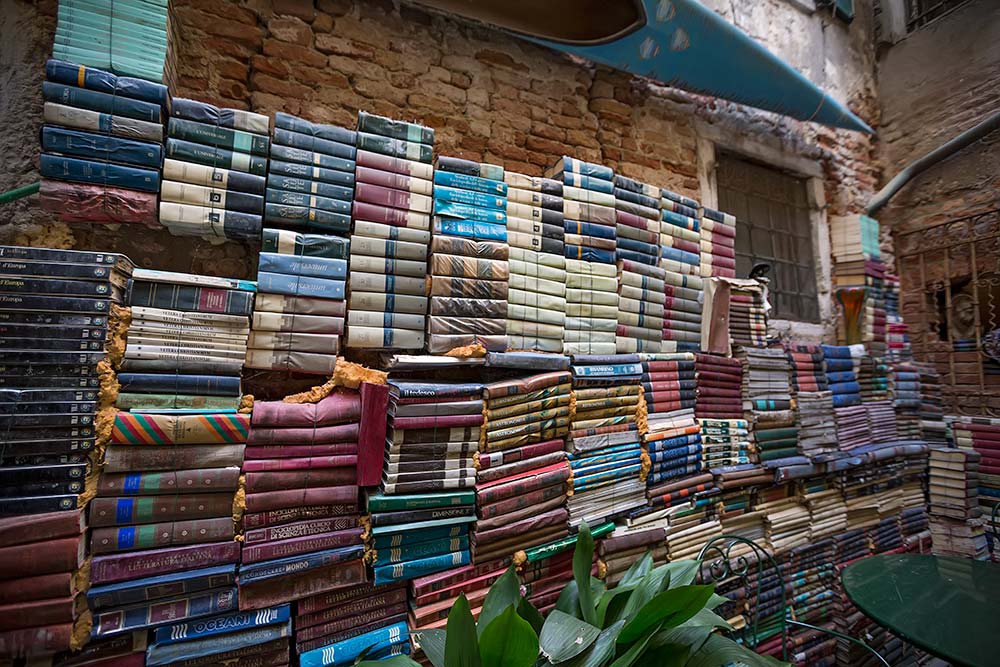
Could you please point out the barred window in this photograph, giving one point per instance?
(921, 12)
(773, 227)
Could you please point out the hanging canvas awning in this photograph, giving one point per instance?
(680, 43)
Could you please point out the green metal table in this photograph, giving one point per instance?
(944, 605)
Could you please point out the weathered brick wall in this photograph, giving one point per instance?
(489, 96)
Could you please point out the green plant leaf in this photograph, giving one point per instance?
(682, 572)
(652, 584)
(583, 561)
(601, 650)
(707, 617)
(505, 592)
(394, 661)
(564, 636)
(636, 650)
(461, 646)
(508, 641)
(715, 601)
(668, 655)
(432, 642)
(670, 608)
(527, 611)
(682, 638)
(639, 569)
(718, 650)
(569, 600)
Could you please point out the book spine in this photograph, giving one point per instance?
(307, 286)
(300, 545)
(319, 267)
(396, 129)
(217, 625)
(189, 297)
(161, 534)
(276, 481)
(124, 620)
(96, 101)
(209, 114)
(387, 574)
(188, 151)
(309, 166)
(311, 582)
(215, 135)
(110, 148)
(169, 654)
(213, 177)
(43, 557)
(338, 200)
(308, 245)
(200, 385)
(299, 529)
(41, 587)
(275, 500)
(316, 144)
(329, 132)
(346, 651)
(121, 567)
(37, 640)
(278, 517)
(101, 173)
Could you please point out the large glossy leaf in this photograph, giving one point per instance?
(601, 650)
(583, 561)
(636, 651)
(432, 644)
(505, 592)
(639, 569)
(461, 646)
(685, 639)
(718, 651)
(614, 599)
(668, 655)
(651, 585)
(682, 572)
(707, 617)
(668, 609)
(508, 641)
(569, 600)
(715, 601)
(564, 636)
(527, 611)
(394, 661)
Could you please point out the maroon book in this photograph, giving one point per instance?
(301, 451)
(122, 567)
(384, 162)
(304, 463)
(285, 589)
(285, 515)
(385, 178)
(338, 408)
(254, 553)
(38, 640)
(275, 500)
(502, 507)
(325, 617)
(51, 526)
(42, 587)
(47, 557)
(326, 640)
(54, 611)
(299, 529)
(489, 460)
(431, 422)
(259, 482)
(371, 442)
(323, 435)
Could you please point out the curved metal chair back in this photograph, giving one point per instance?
(993, 530)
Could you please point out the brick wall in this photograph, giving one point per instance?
(489, 96)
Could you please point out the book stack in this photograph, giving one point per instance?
(982, 435)
(747, 314)
(933, 428)
(432, 596)
(691, 491)
(672, 437)
(827, 511)
(433, 436)
(536, 299)
(392, 223)
(546, 570)
(817, 423)
(680, 249)
(904, 391)
(102, 144)
(57, 308)
(718, 244)
(214, 177)
(850, 416)
(809, 571)
(468, 276)
(689, 531)
(719, 382)
(881, 421)
(808, 370)
(301, 497)
(522, 472)
(767, 401)
(42, 578)
(257, 637)
(604, 447)
(623, 547)
(786, 521)
(886, 536)
(128, 38)
(915, 528)
(591, 275)
(955, 515)
(873, 378)
(641, 290)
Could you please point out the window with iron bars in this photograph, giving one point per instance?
(773, 226)
(921, 12)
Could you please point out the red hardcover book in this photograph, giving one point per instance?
(371, 443)
(338, 408)
(299, 463)
(525, 483)
(282, 516)
(489, 460)
(161, 534)
(286, 589)
(210, 480)
(300, 451)
(38, 640)
(320, 435)
(299, 529)
(42, 587)
(300, 545)
(41, 527)
(47, 557)
(119, 511)
(441, 580)
(386, 215)
(122, 567)
(345, 610)
(259, 482)
(383, 196)
(276, 500)
(452, 591)
(510, 505)
(54, 611)
(386, 162)
(340, 596)
(326, 640)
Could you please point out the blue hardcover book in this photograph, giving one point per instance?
(101, 147)
(834, 365)
(605, 477)
(156, 612)
(283, 567)
(637, 198)
(640, 257)
(460, 196)
(680, 199)
(670, 465)
(396, 540)
(422, 528)
(588, 182)
(840, 376)
(100, 173)
(661, 477)
(589, 254)
(300, 265)
(202, 112)
(423, 549)
(167, 585)
(850, 387)
(478, 231)
(388, 574)
(290, 159)
(466, 212)
(678, 255)
(287, 121)
(165, 654)
(844, 400)
(190, 151)
(837, 351)
(217, 625)
(638, 247)
(425, 389)
(528, 360)
(677, 453)
(312, 218)
(631, 447)
(195, 385)
(315, 144)
(589, 229)
(347, 651)
(575, 166)
(468, 182)
(311, 187)
(342, 206)
(602, 462)
(670, 443)
(679, 220)
(607, 370)
(82, 98)
(278, 283)
(72, 74)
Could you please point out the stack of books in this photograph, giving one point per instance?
(827, 511)
(955, 516)
(469, 275)
(689, 531)
(102, 145)
(904, 391)
(747, 316)
(536, 299)
(672, 438)
(624, 547)
(767, 401)
(982, 434)
(718, 244)
(680, 258)
(346, 618)
(933, 428)
(214, 179)
(591, 275)
(641, 290)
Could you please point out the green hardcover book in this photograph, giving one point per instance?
(378, 502)
(395, 147)
(188, 151)
(215, 135)
(307, 245)
(396, 129)
(545, 550)
(131, 401)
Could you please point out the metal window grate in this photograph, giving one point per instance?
(772, 226)
(921, 12)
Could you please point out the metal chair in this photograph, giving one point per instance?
(731, 558)
(992, 532)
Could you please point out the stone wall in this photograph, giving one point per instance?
(489, 96)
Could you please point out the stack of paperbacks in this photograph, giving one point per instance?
(640, 280)
(391, 232)
(897, 332)
(933, 428)
(747, 317)
(767, 402)
(672, 437)
(904, 390)
(787, 517)
(536, 300)
(468, 274)
(433, 435)
(813, 400)
(102, 144)
(850, 416)
(604, 444)
(827, 510)
(680, 259)
(690, 529)
(955, 516)
(982, 434)
(718, 244)
(719, 409)
(214, 179)
(591, 276)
